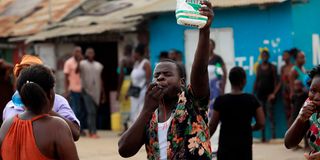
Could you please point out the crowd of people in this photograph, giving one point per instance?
(173, 119)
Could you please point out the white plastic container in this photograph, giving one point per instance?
(187, 13)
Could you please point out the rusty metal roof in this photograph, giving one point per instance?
(4, 5)
(40, 19)
(125, 19)
(34, 19)
(12, 12)
(6, 25)
(118, 20)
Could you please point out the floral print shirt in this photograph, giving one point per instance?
(188, 134)
(313, 134)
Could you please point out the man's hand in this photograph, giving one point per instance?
(153, 97)
(206, 10)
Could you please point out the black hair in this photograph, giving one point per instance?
(140, 49)
(164, 54)
(236, 76)
(179, 67)
(34, 85)
(313, 73)
(294, 52)
(286, 51)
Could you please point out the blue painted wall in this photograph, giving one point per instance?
(306, 22)
(251, 26)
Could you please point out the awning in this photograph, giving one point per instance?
(72, 31)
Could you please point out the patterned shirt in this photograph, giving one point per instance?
(188, 134)
(313, 133)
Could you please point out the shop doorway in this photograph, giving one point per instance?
(107, 55)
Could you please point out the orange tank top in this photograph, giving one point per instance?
(19, 143)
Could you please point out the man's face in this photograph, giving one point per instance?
(135, 56)
(265, 57)
(78, 53)
(90, 54)
(167, 77)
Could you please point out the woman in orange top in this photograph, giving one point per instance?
(34, 134)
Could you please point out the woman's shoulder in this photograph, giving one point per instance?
(145, 60)
(56, 121)
(53, 122)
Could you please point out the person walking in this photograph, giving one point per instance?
(73, 85)
(173, 123)
(235, 112)
(35, 134)
(93, 89)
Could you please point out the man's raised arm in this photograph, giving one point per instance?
(199, 72)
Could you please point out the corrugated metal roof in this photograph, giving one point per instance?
(127, 18)
(90, 24)
(33, 19)
(20, 8)
(4, 5)
(6, 25)
(156, 6)
(40, 19)
(10, 13)
(85, 30)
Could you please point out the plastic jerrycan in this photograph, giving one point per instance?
(187, 13)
